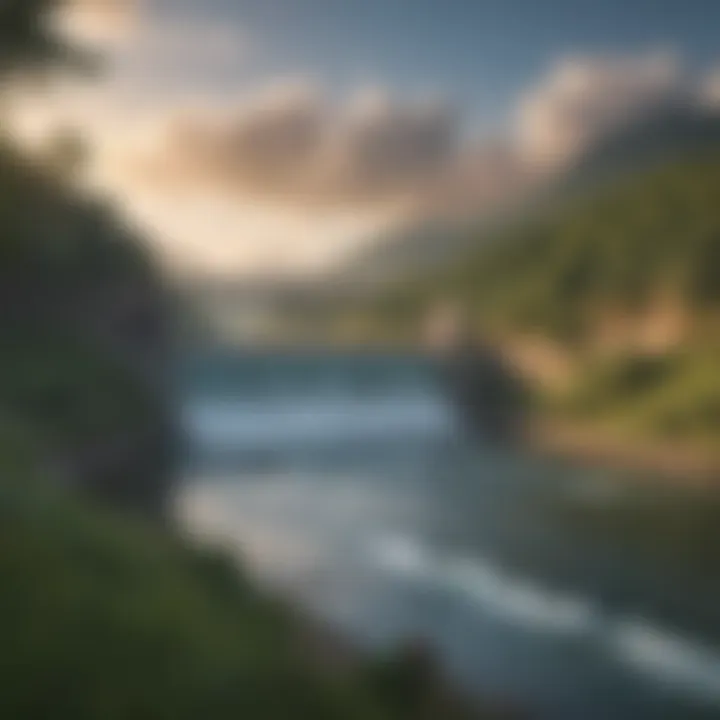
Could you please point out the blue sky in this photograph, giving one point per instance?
(478, 53)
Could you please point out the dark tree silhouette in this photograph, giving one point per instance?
(30, 41)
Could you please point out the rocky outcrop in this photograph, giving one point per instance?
(487, 394)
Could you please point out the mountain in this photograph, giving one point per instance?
(653, 141)
(652, 237)
(649, 142)
(413, 249)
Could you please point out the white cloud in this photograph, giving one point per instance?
(289, 142)
(178, 47)
(221, 236)
(586, 98)
(129, 35)
(102, 23)
(381, 158)
(286, 176)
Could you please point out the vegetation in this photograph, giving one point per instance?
(590, 278)
(105, 612)
(86, 327)
(650, 238)
(675, 395)
(102, 617)
(29, 42)
(106, 616)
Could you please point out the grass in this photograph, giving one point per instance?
(107, 617)
(670, 396)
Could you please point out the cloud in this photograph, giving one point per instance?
(583, 99)
(287, 174)
(205, 45)
(290, 143)
(710, 89)
(131, 36)
(388, 146)
(224, 236)
(101, 23)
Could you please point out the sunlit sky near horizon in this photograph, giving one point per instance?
(273, 136)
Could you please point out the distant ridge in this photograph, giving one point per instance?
(671, 136)
(650, 142)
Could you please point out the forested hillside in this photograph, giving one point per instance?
(624, 282)
(86, 327)
(652, 239)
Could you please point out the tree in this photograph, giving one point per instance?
(29, 39)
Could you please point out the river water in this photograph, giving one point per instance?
(345, 482)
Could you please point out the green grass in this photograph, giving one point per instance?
(105, 617)
(676, 395)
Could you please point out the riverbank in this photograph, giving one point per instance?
(673, 461)
(411, 680)
(159, 625)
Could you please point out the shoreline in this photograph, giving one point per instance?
(333, 653)
(675, 462)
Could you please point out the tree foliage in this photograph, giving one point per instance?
(617, 250)
(30, 40)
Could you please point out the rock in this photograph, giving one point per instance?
(488, 395)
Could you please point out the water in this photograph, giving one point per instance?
(345, 483)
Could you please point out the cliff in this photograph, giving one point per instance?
(86, 331)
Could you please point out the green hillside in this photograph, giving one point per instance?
(639, 251)
(654, 237)
(105, 618)
(86, 331)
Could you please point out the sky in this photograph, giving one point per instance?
(256, 137)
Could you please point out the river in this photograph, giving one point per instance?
(345, 482)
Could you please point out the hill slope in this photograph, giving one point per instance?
(624, 283)
(652, 238)
(86, 324)
(674, 135)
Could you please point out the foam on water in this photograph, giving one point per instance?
(510, 597)
(667, 657)
(292, 525)
(316, 421)
(399, 554)
(655, 653)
